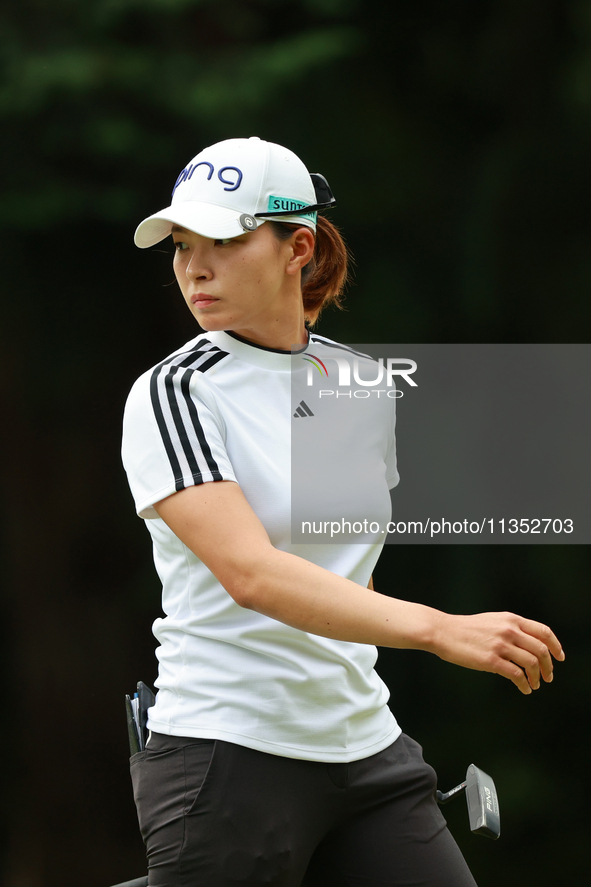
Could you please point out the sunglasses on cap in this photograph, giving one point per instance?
(324, 200)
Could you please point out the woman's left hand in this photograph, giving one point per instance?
(503, 643)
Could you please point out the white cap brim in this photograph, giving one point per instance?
(217, 222)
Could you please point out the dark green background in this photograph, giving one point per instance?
(457, 139)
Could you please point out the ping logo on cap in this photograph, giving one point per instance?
(232, 184)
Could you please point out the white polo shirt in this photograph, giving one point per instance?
(220, 408)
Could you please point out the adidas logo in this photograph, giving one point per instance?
(303, 411)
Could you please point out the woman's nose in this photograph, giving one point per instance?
(198, 268)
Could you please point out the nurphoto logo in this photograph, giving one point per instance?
(351, 371)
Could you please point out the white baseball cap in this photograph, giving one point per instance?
(233, 187)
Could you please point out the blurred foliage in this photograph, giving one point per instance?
(457, 139)
(114, 87)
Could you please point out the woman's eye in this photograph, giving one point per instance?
(221, 242)
(180, 245)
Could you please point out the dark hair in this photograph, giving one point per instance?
(325, 275)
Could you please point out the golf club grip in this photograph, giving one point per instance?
(137, 882)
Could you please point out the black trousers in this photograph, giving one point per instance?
(215, 814)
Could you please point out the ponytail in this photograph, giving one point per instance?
(325, 275)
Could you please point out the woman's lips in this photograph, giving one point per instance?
(200, 300)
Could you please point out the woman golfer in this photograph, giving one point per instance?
(273, 757)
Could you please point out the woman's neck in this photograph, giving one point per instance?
(280, 334)
(273, 342)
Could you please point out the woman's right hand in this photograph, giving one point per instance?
(503, 643)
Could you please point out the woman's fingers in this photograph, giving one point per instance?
(506, 644)
(529, 664)
(549, 645)
(536, 645)
(508, 669)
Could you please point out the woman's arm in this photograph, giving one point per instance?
(216, 522)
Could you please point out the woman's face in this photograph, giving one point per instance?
(245, 284)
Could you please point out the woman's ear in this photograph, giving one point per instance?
(302, 249)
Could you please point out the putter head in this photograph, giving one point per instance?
(483, 803)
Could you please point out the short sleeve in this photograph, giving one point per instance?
(173, 436)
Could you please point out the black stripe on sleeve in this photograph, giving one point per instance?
(211, 361)
(198, 428)
(166, 439)
(208, 360)
(180, 428)
(200, 358)
(205, 364)
(197, 349)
